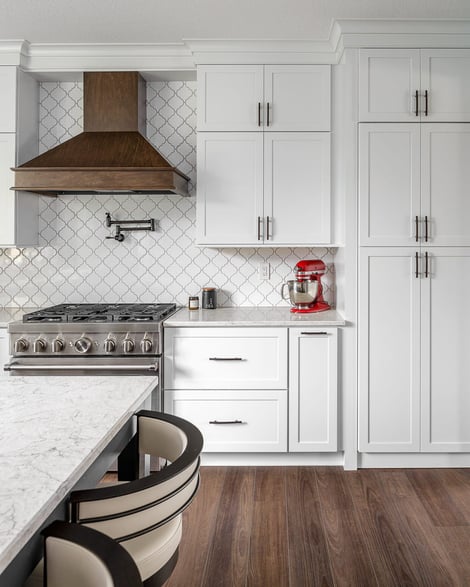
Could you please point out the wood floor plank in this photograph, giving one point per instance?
(425, 554)
(309, 563)
(382, 533)
(269, 561)
(456, 542)
(227, 562)
(198, 529)
(350, 561)
(434, 487)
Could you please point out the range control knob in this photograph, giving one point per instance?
(21, 345)
(127, 345)
(58, 345)
(83, 345)
(39, 345)
(146, 345)
(109, 345)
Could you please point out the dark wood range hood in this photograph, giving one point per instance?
(112, 154)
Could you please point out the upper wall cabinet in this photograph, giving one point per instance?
(19, 112)
(8, 99)
(263, 98)
(409, 85)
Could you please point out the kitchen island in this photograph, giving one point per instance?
(54, 429)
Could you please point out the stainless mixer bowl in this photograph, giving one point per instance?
(302, 293)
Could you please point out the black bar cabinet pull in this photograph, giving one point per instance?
(416, 265)
(267, 113)
(225, 359)
(416, 103)
(426, 103)
(426, 264)
(426, 234)
(416, 229)
(317, 333)
(225, 422)
(259, 113)
(268, 226)
(259, 227)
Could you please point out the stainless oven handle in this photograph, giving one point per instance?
(19, 367)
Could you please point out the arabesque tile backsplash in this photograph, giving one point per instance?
(77, 263)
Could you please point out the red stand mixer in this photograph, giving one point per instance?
(306, 291)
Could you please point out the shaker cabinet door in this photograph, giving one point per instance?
(388, 82)
(445, 181)
(7, 98)
(297, 188)
(230, 98)
(445, 75)
(230, 188)
(389, 351)
(313, 414)
(389, 184)
(445, 351)
(298, 98)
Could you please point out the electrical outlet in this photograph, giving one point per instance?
(264, 271)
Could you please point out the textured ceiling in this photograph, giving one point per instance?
(167, 21)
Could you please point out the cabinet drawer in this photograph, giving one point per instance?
(225, 358)
(248, 421)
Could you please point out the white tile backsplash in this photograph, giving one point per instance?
(78, 264)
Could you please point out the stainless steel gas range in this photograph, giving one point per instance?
(101, 339)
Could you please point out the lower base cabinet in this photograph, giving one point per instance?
(302, 418)
(313, 413)
(234, 421)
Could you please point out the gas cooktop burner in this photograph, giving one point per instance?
(101, 313)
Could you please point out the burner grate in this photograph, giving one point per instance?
(101, 313)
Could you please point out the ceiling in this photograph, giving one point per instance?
(171, 21)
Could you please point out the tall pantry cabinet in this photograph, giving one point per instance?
(414, 261)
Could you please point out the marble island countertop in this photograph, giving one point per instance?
(253, 316)
(53, 428)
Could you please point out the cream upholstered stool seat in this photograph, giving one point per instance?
(77, 556)
(145, 515)
(141, 518)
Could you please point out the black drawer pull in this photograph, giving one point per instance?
(225, 422)
(225, 359)
(318, 333)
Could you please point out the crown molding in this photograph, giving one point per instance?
(56, 60)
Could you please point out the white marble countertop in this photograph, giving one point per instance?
(253, 316)
(53, 429)
(8, 315)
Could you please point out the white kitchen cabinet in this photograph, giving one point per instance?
(263, 98)
(414, 344)
(19, 218)
(406, 85)
(225, 358)
(413, 184)
(4, 348)
(313, 414)
(231, 383)
(234, 421)
(8, 98)
(389, 338)
(271, 190)
(389, 184)
(445, 351)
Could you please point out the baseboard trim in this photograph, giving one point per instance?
(413, 460)
(272, 459)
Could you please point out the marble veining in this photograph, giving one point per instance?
(53, 428)
(253, 316)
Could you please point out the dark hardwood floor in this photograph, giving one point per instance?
(309, 526)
